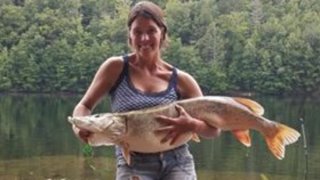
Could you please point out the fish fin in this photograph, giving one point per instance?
(243, 136)
(252, 105)
(283, 136)
(126, 152)
(195, 137)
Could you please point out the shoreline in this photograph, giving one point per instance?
(231, 94)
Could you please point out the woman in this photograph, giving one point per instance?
(140, 80)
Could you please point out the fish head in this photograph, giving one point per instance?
(99, 123)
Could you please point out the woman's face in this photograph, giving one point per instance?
(145, 36)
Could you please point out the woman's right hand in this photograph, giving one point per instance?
(84, 135)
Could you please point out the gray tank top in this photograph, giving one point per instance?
(125, 97)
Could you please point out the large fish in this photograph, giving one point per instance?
(135, 130)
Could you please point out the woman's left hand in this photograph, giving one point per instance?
(176, 126)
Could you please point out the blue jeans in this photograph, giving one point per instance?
(176, 164)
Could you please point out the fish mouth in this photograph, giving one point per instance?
(70, 119)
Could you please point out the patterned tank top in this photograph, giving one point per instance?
(125, 97)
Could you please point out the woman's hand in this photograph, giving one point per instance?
(176, 126)
(82, 134)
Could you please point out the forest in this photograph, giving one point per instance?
(255, 46)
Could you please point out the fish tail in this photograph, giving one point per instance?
(278, 139)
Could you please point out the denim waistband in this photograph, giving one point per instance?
(166, 153)
(179, 149)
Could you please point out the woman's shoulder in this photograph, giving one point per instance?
(114, 63)
(184, 76)
(187, 85)
(111, 67)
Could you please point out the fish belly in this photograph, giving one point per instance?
(141, 136)
(151, 143)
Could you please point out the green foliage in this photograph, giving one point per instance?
(87, 150)
(261, 46)
(5, 82)
(12, 25)
(181, 21)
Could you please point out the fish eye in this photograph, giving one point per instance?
(97, 115)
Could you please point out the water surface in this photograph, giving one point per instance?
(37, 143)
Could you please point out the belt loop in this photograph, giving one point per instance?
(161, 155)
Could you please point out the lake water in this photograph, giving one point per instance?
(36, 142)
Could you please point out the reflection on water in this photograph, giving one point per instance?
(58, 167)
(37, 143)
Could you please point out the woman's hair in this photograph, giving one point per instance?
(152, 11)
